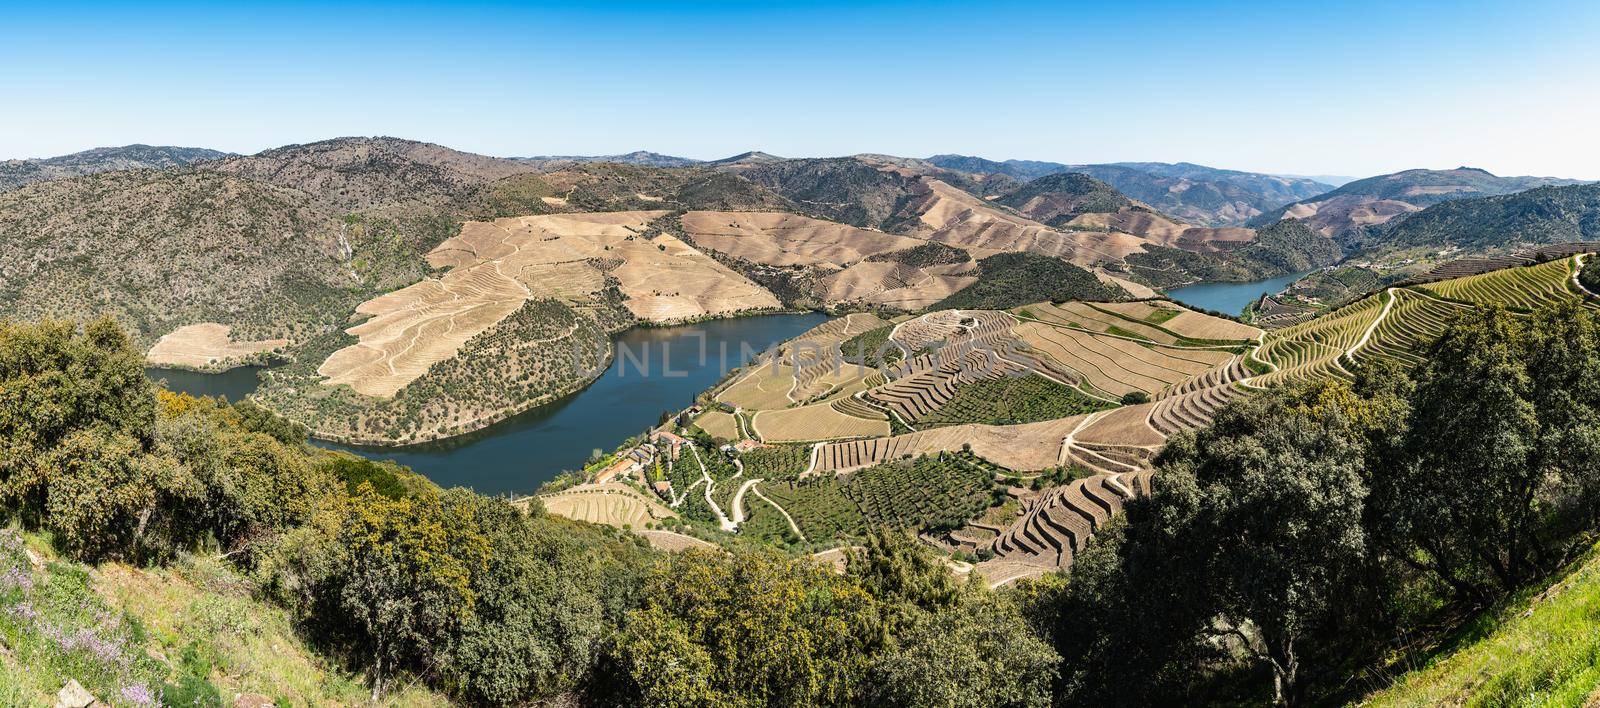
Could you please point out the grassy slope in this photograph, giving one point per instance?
(196, 616)
(1540, 649)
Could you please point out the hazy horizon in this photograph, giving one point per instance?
(1351, 89)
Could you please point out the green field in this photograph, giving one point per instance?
(1010, 400)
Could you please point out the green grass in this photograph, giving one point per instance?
(1542, 649)
(1162, 315)
(194, 632)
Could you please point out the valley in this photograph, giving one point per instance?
(766, 353)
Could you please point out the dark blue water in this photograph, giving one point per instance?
(1230, 298)
(655, 370)
(233, 384)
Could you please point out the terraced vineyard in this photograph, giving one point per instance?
(1524, 288)
(1054, 527)
(1313, 349)
(1413, 322)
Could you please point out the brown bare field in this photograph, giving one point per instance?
(818, 421)
(1162, 231)
(838, 251)
(765, 387)
(719, 425)
(1122, 426)
(1114, 365)
(959, 219)
(672, 541)
(1134, 289)
(896, 284)
(1331, 216)
(1090, 318)
(205, 345)
(496, 267)
(612, 503)
(776, 238)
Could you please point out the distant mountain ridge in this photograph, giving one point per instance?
(1374, 201)
(1196, 194)
(16, 173)
(637, 157)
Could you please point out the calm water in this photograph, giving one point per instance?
(665, 371)
(233, 384)
(1230, 298)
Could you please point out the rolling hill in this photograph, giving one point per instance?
(1374, 201)
(1205, 196)
(1542, 215)
(637, 157)
(16, 173)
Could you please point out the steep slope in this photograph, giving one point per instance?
(1202, 195)
(1537, 216)
(1535, 650)
(278, 245)
(160, 249)
(16, 173)
(1285, 247)
(1008, 280)
(374, 173)
(1376, 200)
(843, 189)
(1196, 194)
(1059, 198)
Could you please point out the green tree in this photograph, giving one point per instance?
(1472, 481)
(753, 629)
(403, 576)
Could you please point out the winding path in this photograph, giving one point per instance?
(722, 519)
(1388, 303)
(738, 499)
(792, 526)
(1577, 270)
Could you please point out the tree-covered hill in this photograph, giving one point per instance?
(1358, 207)
(1537, 216)
(1011, 279)
(15, 173)
(1288, 246)
(1059, 198)
(1196, 194)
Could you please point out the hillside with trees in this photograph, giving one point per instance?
(16, 173)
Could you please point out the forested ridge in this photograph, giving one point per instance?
(1312, 544)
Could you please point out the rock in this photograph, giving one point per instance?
(74, 695)
(252, 700)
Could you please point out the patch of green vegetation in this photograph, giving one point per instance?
(925, 255)
(872, 348)
(776, 461)
(1161, 315)
(1540, 648)
(1010, 400)
(931, 492)
(1008, 280)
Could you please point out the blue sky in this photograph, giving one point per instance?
(1350, 88)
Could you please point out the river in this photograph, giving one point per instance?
(1230, 298)
(656, 369)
